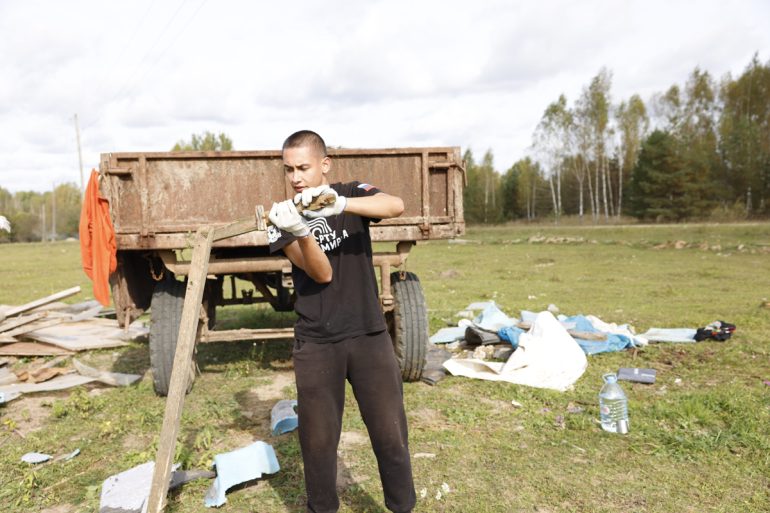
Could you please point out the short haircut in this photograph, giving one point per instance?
(305, 138)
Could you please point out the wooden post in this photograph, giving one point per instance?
(185, 345)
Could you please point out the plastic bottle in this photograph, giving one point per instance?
(613, 406)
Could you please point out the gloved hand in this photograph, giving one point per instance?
(308, 195)
(284, 215)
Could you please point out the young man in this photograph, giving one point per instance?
(340, 333)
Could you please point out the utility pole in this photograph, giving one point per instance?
(42, 222)
(53, 212)
(80, 154)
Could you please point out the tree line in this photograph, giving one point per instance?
(36, 216)
(700, 151)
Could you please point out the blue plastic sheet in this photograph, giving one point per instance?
(613, 343)
(239, 466)
(448, 335)
(510, 334)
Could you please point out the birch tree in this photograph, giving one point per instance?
(632, 123)
(593, 110)
(552, 142)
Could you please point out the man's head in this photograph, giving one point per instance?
(305, 160)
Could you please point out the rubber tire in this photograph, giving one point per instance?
(408, 324)
(165, 317)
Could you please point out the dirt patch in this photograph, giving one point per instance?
(235, 439)
(257, 403)
(29, 413)
(133, 442)
(273, 390)
(350, 439)
(427, 418)
(59, 508)
(347, 476)
(497, 404)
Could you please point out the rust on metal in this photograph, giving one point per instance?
(170, 193)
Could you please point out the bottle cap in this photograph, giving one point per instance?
(623, 426)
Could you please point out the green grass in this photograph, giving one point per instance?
(699, 438)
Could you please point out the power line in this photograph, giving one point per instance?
(163, 52)
(119, 58)
(129, 83)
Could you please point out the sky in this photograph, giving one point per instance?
(142, 75)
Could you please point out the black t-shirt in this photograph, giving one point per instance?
(349, 305)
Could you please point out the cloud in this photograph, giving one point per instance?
(477, 74)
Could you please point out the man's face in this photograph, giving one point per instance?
(305, 167)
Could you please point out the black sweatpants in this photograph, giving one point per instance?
(369, 363)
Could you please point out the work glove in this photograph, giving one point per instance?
(284, 215)
(308, 195)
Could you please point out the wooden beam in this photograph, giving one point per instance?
(20, 321)
(248, 334)
(39, 302)
(28, 328)
(185, 345)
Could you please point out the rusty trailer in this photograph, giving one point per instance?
(159, 199)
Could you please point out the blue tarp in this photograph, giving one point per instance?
(511, 334)
(613, 343)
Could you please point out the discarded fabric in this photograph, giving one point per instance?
(283, 417)
(479, 337)
(613, 342)
(434, 370)
(511, 334)
(547, 357)
(681, 335)
(492, 319)
(239, 466)
(717, 330)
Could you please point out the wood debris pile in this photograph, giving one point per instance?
(48, 327)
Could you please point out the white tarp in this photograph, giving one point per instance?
(547, 357)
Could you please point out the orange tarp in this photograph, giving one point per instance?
(97, 240)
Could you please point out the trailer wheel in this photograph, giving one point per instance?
(408, 324)
(165, 317)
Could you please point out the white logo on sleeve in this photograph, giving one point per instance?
(273, 234)
(324, 235)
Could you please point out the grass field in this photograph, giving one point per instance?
(699, 438)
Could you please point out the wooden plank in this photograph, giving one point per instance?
(58, 383)
(20, 321)
(48, 373)
(31, 349)
(237, 228)
(185, 345)
(247, 334)
(39, 302)
(28, 328)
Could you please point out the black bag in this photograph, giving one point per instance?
(717, 330)
(478, 337)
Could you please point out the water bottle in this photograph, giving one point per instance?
(613, 406)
